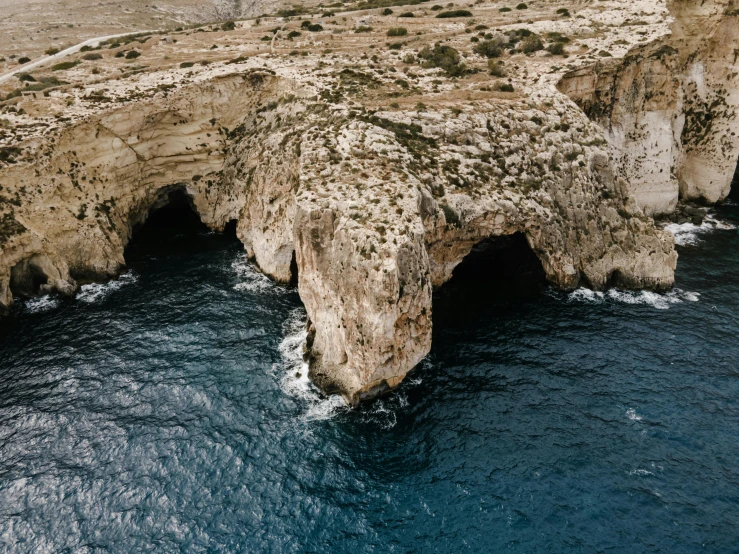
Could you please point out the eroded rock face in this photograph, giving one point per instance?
(668, 109)
(376, 208)
(372, 205)
(94, 182)
(428, 187)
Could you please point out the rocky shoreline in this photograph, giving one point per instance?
(372, 202)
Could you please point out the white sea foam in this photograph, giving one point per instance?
(250, 279)
(294, 380)
(293, 375)
(642, 472)
(656, 300)
(688, 234)
(95, 292)
(41, 304)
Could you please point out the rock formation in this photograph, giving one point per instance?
(374, 203)
(668, 109)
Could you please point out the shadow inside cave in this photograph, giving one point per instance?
(500, 273)
(173, 227)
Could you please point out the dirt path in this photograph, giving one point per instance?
(64, 53)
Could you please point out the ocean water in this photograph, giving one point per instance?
(168, 411)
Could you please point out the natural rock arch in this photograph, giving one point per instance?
(498, 259)
(373, 211)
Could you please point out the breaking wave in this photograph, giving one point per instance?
(294, 381)
(41, 304)
(660, 301)
(94, 292)
(688, 234)
(250, 279)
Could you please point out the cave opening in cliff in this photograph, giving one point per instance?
(26, 279)
(173, 226)
(174, 210)
(497, 272)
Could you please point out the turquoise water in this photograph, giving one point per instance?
(162, 412)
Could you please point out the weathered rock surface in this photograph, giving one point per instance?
(668, 109)
(372, 202)
(378, 208)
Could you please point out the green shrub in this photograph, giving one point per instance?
(489, 49)
(451, 217)
(445, 57)
(531, 44)
(42, 84)
(313, 28)
(455, 13)
(397, 32)
(65, 65)
(496, 69)
(558, 37)
(556, 49)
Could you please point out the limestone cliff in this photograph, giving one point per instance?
(371, 177)
(378, 207)
(668, 109)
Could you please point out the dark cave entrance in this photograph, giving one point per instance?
(499, 272)
(175, 211)
(734, 191)
(173, 227)
(26, 279)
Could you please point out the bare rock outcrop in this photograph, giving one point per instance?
(372, 203)
(668, 109)
(377, 208)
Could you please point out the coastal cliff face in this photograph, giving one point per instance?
(372, 203)
(376, 208)
(668, 109)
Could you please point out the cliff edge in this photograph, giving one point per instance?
(371, 176)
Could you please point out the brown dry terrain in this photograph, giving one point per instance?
(30, 27)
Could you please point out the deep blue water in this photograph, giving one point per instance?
(162, 413)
